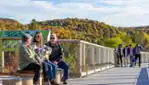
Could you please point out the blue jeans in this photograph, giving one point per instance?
(63, 65)
(50, 68)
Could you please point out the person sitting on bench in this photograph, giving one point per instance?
(28, 59)
(57, 56)
(49, 69)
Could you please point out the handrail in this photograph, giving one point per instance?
(90, 57)
(82, 41)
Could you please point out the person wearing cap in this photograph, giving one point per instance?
(57, 56)
(28, 59)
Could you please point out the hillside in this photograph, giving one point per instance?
(10, 24)
(97, 32)
(84, 29)
(92, 31)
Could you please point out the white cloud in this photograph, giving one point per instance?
(113, 12)
(114, 2)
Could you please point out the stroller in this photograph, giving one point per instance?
(133, 60)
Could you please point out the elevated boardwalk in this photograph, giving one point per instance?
(116, 76)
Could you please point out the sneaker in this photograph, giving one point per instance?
(130, 65)
(36, 83)
(47, 83)
(64, 81)
(54, 82)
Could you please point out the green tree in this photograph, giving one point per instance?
(34, 25)
(113, 42)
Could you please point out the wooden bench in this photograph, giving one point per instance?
(29, 73)
(57, 78)
(26, 78)
(10, 79)
(58, 75)
(21, 77)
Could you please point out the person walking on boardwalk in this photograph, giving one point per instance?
(120, 55)
(125, 53)
(131, 54)
(57, 56)
(138, 50)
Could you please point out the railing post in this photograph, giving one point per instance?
(79, 61)
(102, 55)
(111, 56)
(92, 57)
(84, 69)
(99, 51)
(97, 58)
(141, 58)
(115, 58)
(148, 58)
(108, 56)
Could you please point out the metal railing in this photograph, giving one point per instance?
(145, 58)
(85, 58)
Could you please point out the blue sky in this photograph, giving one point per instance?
(113, 12)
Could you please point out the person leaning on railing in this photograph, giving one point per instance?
(57, 56)
(49, 69)
(28, 59)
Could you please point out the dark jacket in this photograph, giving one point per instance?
(124, 52)
(120, 51)
(129, 51)
(140, 48)
(57, 52)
